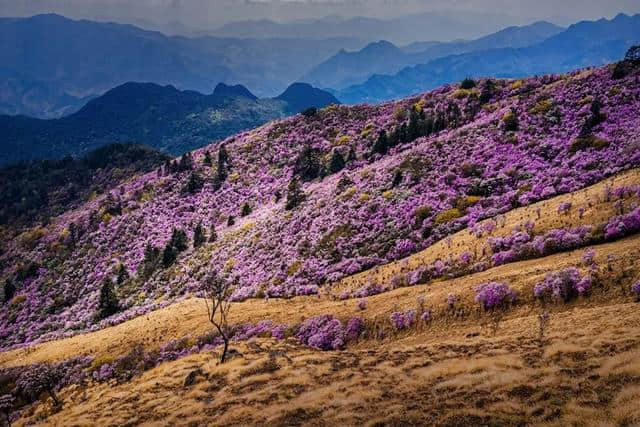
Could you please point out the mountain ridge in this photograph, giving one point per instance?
(162, 117)
(590, 43)
(348, 68)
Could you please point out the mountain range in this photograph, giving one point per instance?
(161, 117)
(50, 65)
(438, 26)
(348, 68)
(587, 43)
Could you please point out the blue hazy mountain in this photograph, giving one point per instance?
(587, 43)
(50, 65)
(349, 68)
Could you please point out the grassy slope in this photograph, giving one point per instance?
(588, 368)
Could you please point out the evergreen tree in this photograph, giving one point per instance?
(295, 195)
(179, 240)
(123, 274)
(468, 83)
(207, 159)
(397, 178)
(246, 210)
(151, 260)
(381, 144)
(337, 162)
(351, 157)
(194, 184)
(487, 91)
(108, 304)
(169, 255)
(223, 163)
(413, 131)
(231, 221)
(213, 236)
(198, 236)
(177, 244)
(8, 291)
(308, 165)
(186, 163)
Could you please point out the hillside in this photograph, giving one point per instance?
(389, 200)
(387, 221)
(161, 117)
(50, 66)
(587, 43)
(350, 68)
(457, 369)
(34, 192)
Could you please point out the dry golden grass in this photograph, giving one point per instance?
(588, 377)
(461, 370)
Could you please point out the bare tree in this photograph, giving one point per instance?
(217, 293)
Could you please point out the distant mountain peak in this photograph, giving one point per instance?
(380, 46)
(300, 96)
(223, 89)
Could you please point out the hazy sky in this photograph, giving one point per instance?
(208, 14)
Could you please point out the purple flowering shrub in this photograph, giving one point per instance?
(323, 332)
(495, 295)
(350, 221)
(39, 379)
(368, 290)
(355, 328)
(521, 245)
(563, 285)
(623, 225)
(403, 319)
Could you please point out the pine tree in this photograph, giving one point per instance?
(295, 195)
(177, 244)
(194, 184)
(186, 163)
(231, 221)
(413, 130)
(123, 274)
(246, 210)
(308, 166)
(151, 260)
(381, 144)
(207, 159)
(223, 163)
(8, 291)
(487, 91)
(337, 162)
(198, 236)
(351, 157)
(108, 304)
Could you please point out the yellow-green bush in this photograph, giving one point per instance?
(448, 216)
